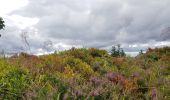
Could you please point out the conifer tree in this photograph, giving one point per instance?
(117, 51)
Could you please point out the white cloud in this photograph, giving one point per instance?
(23, 22)
(7, 6)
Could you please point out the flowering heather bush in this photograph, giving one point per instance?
(86, 74)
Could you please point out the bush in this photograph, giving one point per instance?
(13, 84)
(80, 67)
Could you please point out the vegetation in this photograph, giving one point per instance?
(117, 51)
(86, 74)
(2, 25)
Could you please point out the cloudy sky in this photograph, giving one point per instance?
(61, 24)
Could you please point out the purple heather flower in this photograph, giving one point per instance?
(154, 95)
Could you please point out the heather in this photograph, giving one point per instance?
(86, 74)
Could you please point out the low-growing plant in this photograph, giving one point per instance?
(86, 74)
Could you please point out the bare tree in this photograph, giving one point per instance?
(24, 36)
(48, 45)
(165, 35)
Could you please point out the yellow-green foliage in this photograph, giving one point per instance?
(13, 81)
(80, 67)
(86, 74)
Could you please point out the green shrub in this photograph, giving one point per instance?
(13, 84)
(80, 67)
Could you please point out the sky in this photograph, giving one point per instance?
(61, 24)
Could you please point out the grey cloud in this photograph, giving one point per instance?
(99, 23)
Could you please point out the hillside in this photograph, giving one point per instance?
(86, 74)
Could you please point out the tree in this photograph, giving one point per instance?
(24, 36)
(165, 33)
(141, 52)
(117, 51)
(48, 45)
(122, 53)
(2, 24)
(113, 51)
